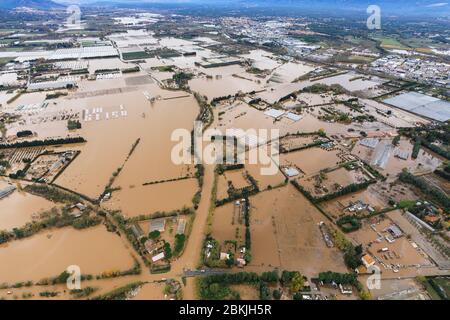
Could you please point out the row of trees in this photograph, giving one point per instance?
(349, 223)
(39, 143)
(216, 287)
(343, 191)
(434, 193)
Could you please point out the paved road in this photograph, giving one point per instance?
(204, 272)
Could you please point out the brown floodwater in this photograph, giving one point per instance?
(110, 139)
(285, 233)
(19, 208)
(311, 160)
(151, 198)
(49, 253)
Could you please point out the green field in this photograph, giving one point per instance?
(391, 43)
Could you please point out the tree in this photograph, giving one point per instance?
(297, 296)
(297, 282)
(365, 295)
(154, 235)
(276, 294)
(167, 250)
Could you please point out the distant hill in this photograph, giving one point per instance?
(37, 4)
(418, 7)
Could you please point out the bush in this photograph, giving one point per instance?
(276, 294)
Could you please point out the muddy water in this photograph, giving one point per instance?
(152, 158)
(237, 178)
(244, 117)
(426, 161)
(158, 197)
(262, 60)
(289, 72)
(110, 141)
(285, 233)
(228, 85)
(49, 253)
(151, 291)
(311, 160)
(226, 225)
(19, 208)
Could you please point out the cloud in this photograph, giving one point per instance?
(439, 4)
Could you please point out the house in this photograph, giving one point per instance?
(224, 256)
(368, 261)
(241, 262)
(158, 225)
(345, 289)
(158, 257)
(7, 191)
(361, 269)
(137, 231)
(181, 226)
(431, 218)
(394, 231)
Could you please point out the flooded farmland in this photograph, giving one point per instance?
(285, 234)
(49, 253)
(19, 208)
(134, 201)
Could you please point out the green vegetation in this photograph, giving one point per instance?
(135, 55)
(131, 70)
(50, 219)
(119, 293)
(248, 238)
(349, 223)
(167, 251)
(82, 293)
(52, 193)
(343, 191)
(73, 124)
(48, 294)
(154, 235)
(216, 287)
(396, 140)
(164, 68)
(55, 95)
(180, 240)
(181, 79)
(416, 149)
(432, 192)
(39, 143)
(338, 278)
(235, 194)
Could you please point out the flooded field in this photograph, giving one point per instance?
(110, 141)
(289, 72)
(262, 60)
(390, 159)
(328, 182)
(137, 200)
(285, 233)
(226, 225)
(307, 160)
(151, 291)
(19, 208)
(223, 86)
(49, 253)
(337, 207)
(401, 252)
(246, 292)
(353, 81)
